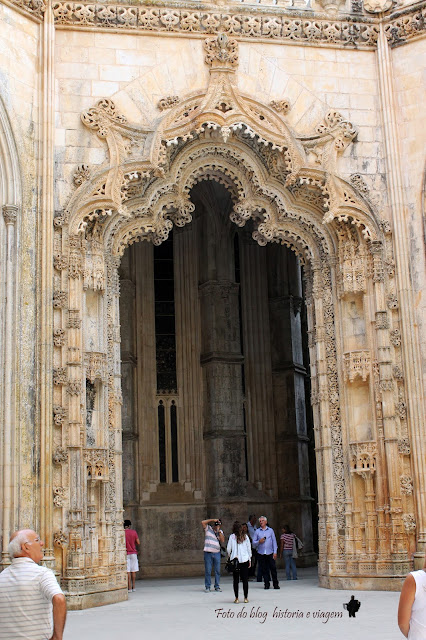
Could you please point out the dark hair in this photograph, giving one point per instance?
(237, 529)
(287, 529)
(251, 516)
(127, 523)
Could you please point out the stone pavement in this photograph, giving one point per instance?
(179, 609)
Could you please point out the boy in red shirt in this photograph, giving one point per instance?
(132, 559)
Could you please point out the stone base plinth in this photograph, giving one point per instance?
(173, 570)
(98, 599)
(362, 583)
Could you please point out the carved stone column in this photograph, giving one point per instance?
(257, 367)
(221, 360)
(10, 213)
(188, 347)
(411, 354)
(128, 379)
(45, 337)
(146, 369)
(288, 375)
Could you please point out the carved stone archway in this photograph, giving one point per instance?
(289, 189)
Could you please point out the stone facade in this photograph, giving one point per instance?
(282, 143)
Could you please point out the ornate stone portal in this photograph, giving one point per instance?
(285, 188)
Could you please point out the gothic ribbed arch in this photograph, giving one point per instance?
(10, 173)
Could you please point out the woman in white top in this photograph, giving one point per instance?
(412, 605)
(239, 547)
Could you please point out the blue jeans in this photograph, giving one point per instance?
(289, 563)
(210, 559)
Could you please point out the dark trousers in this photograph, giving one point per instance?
(267, 564)
(252, 570)
(243, 569)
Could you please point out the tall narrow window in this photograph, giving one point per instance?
(174, 441)
(162, 441)
(165, 333)
(165, 345)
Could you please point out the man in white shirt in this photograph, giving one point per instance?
(29, 594)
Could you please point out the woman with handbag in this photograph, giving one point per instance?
(239, 549)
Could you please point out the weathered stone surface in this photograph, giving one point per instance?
(282, 130)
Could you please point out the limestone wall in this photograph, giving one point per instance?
(20, 94)
(409, 84)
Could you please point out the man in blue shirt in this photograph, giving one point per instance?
(264, 538)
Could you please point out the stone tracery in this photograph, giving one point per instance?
(288, 188)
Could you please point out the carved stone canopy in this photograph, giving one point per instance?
(270, 171)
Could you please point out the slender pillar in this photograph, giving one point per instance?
(128, 379)
(188, 347)
(46, 212)
(10, 214)
(288, 371)
(262, 463)
(407, 305)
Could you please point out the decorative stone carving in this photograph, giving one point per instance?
(363, 457)
(94, 267)
(96, 366)
(406, 24)
(406, 485)
(382, 320)
(59, 539)
(74, 320)
(60, 299)
(332, 7)
(59, 496)
(352, 263)
(404, 447)
(96, 464)
(60, 455)
(60, 376)
(397, 372)
(377, 6)
(102, 116)
(275, 27)
(359, 183)
(221, 50)
(282, 106)
(59, 415)
(335, 125)
(395, 337)
(82, 174)
(10, 213)
(401, 406)
(74, 388)
(60, 219)
(58, 337)
(167, 103)
(409, 521)
(60, 262)
(75, 264)
(356, 364)
(392, 301)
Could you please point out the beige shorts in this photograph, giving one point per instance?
(132, 563)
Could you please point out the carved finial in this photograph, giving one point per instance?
(221, 52)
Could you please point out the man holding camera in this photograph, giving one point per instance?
(213, 539)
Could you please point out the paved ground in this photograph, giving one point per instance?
(178, 609)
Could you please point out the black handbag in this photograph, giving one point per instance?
(231, 565)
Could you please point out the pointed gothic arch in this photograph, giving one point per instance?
(288, 188)
(10, 202)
